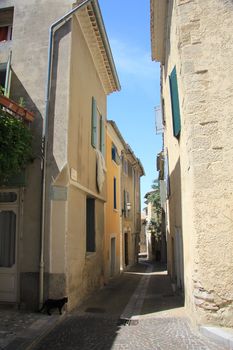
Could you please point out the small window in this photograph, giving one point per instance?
(115, 155)
(3, 74)
(6, 20)
(90, 225)
(114, 193)
(8, 197)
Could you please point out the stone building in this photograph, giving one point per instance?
(58, 249)
(123, 210)
(192, 39)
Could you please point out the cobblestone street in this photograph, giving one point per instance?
(138, 310)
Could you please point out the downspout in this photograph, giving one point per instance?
(52, 28)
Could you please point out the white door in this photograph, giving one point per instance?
(8, 245)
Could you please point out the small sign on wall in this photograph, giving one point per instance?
(58, 193)
(73, 174)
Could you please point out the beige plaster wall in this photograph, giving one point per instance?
(84, 270)
(29, 69)
(202, 51)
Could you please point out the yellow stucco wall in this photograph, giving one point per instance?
(113, 216)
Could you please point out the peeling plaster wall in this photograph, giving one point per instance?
(202, 50)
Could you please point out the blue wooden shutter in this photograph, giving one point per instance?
(94, 124)
(175, 103)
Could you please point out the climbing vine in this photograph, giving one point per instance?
(15, 145)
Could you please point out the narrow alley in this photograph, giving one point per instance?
(137, 310)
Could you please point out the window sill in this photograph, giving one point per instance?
(90, 255)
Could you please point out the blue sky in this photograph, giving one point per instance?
(127, 24)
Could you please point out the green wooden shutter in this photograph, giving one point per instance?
(175, 103)
(102, 136)
(94, 124)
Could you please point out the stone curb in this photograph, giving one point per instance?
(33, 334)
(222, 336)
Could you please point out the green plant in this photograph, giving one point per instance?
(2, 90)
(22, 102)
(15, 146)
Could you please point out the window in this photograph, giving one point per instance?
(126, 202)
(6, 20)
(5, 33)
(90, 225)
(166, 174)
(5, 76)
(115, 155)
(7, 238)
(2, 74)
(8, 197)
(175, 103)
(97, 128)
(114, 193)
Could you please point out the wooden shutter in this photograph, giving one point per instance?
(90, 225)
(94, 123)
(114, 193)
(102, 136)
(175, 103)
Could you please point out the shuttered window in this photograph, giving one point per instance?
(102, 136)
(94, 124)
(114, 193)
(97, 128)
(175, 103)
(90, 225)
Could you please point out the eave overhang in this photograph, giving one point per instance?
(158, 15)
(92, 25)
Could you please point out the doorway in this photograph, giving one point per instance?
(8, 244)
(126, 250)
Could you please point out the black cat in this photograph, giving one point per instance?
(50, 304)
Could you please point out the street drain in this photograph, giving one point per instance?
(127, 322)
(95, 310)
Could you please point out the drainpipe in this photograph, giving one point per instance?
(52, 29)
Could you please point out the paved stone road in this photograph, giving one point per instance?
(157, 318)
